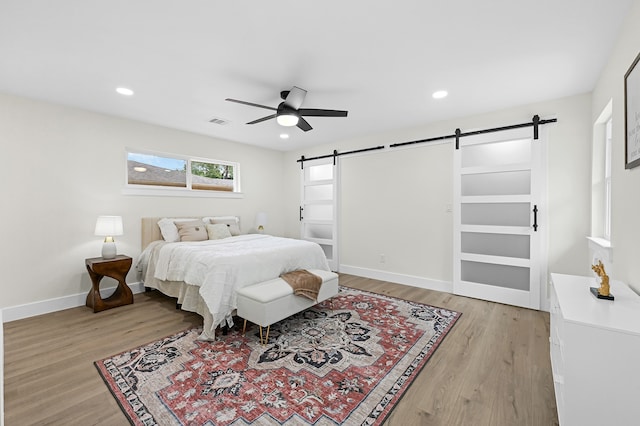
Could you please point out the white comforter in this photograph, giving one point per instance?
(219, 267)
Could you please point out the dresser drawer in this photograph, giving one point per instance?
(556, 336)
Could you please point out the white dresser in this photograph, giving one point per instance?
(595, 353)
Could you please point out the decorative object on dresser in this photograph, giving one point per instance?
(602, 292)
(108, 227)
(116, 268)
(594, 349)
(349, 364)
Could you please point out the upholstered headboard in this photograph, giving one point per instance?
(150, 231)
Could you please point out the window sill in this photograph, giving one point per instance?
(163, 192)
(601, 248)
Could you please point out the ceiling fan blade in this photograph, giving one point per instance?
(303, 125)
(251, 104)
(260, 120)
(312, 112)
(295, 97)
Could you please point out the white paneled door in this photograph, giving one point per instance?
(318, 209)
(498, 211)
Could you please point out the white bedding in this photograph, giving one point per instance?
(218, 267)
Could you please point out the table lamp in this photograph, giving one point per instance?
(261, 221)
(108, 227)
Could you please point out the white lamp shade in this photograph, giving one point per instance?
(108, 226)
(287, 120)
(261, 219)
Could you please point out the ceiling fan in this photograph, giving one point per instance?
(289, 113)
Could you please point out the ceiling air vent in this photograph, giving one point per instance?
(220, 121)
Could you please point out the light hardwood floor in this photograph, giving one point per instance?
(492, 369)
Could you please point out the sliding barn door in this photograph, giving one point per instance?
(498, 207)
(318, 209)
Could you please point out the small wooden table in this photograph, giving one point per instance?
(116, 268)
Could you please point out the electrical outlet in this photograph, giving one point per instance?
(383, 258)
(449, 208)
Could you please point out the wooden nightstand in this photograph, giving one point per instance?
(116, 268)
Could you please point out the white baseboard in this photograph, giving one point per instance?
(412, 280)
(13, 313)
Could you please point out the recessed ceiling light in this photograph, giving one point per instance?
(440, 94)
(284, 136)
(124, 91)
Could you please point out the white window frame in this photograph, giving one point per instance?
(133, 189)
(607, 179)
(600, 246)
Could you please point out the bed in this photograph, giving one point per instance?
(204, 275)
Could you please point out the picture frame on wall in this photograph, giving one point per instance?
(632, 115)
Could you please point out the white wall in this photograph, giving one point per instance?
(625, 232)
(407, 219)
(391, 200)
(62, 167)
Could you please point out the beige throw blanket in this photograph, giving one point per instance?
(303, 283)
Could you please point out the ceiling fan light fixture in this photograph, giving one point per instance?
(288, 113)
(287, 120)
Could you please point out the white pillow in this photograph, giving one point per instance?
(217, 231)
(168, 228)
(231, 221)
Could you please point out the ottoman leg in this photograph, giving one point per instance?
(266, 339)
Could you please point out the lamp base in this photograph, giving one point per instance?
(109, 250)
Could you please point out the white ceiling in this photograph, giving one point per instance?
(379, 59)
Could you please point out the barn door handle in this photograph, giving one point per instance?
(301, 209)
(535, 217)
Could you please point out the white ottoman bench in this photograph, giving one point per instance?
(271, 301)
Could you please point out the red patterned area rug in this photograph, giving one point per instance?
(345, 362)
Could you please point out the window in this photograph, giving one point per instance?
(148, 169)
(601, 176)
(211, 176)
(168, 174)
(607, 181)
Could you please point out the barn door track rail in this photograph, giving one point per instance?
(535, 122)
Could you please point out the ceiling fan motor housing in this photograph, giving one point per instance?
(285, 110)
